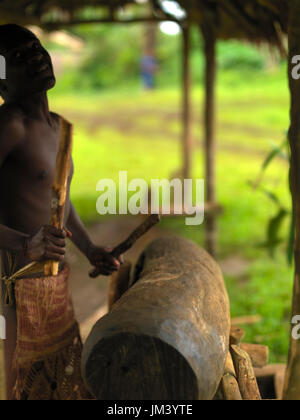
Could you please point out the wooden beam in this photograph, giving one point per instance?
(186, 102)
(8, 16)
(292, 379)
(74, 22)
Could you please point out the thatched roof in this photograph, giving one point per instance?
(254, 20)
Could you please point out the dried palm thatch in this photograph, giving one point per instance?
(253, 20)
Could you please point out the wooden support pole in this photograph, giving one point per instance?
(141, 350)
(186, 103)
(245, 374)
(210, 143)
(292, 379)
(59, 189)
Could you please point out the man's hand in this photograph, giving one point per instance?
(104, 262)
(49, 243)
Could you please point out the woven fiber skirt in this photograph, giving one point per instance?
(48, 352)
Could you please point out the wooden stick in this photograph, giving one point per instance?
(60, 186)
(131, 240)
(259, 354)
(236, 335)
(229, 385)
(245, 374)
(246, 320)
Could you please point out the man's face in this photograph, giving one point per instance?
(29, 68)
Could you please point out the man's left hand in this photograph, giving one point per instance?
(101, 258)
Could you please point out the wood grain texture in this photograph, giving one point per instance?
(236, 334)
(245, 374)
(259, 354)
(118, 284)
(167, 337)
(229, 384)
(60, 185)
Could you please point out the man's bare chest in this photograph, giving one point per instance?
(35, 159)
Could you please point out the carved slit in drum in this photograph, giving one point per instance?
(167, 337)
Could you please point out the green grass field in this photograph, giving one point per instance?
(140, 132)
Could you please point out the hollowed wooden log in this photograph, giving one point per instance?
(167, 337)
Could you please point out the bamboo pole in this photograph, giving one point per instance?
(210, 143)
(60, 186)
(186, 105)
(292, 379)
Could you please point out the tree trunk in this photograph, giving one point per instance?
(292, 380)
(210, 144)
(167, 337)
(186, 95)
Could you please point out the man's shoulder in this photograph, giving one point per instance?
(12, 130)
(55, 117)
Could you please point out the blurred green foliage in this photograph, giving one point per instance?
(112, 53)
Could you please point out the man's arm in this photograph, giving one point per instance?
(98, 256)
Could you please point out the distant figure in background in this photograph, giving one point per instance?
(149, 68)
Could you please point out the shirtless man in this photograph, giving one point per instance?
(29, 137)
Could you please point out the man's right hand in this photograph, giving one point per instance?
(49, 243)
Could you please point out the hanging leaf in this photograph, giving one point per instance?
(272, 196)
(277, 151)
(273, 239)
(290, 245)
